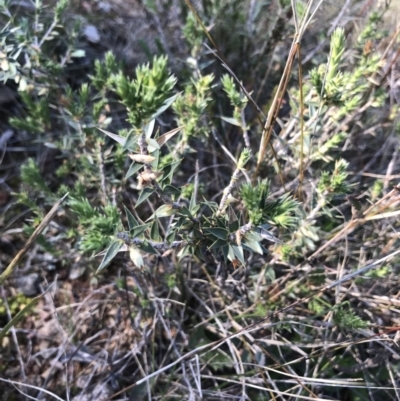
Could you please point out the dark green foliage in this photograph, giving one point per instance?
(147, 93)
(346, 318)
(170, 180)
(332, 183)
(96, 225)
(280, 212)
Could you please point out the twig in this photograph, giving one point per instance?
(30, 386)
(102, 175)
(14, 336)
(154, 244)
(227, 191)
(44, 223)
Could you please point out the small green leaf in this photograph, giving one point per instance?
(168, 171)
(165, 106)
(220, 233)
(238, 250)
(171, 190)
(147, 247)
(232, 121)
(212, 205)
(195, 210)
(136, 256)
(270, 274)
(152, 145)
(180, 222)
(130, 141)
(136, 231)
(155, 232)
(185, 211)
(134, 168)
(156, 155)
(144, 194)
(198, 252)
(225, 251)
(170, 237)
(253, 236)
(132, 222)
(219, 243)
(193, 201)
(254, 246)
(164, 211)
(186, 250)
(234, 226)
(111, 252)
(149, 128)
(78, 53)
(120, 139)
(231, 254)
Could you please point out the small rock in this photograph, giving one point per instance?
(103, 6)
(92, 34)
(29, 284)
(76, 271)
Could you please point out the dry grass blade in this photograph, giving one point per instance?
(219, 54)
(258, 325)
(196, 298)
(30, 386)
(276, 104)
(44, 223)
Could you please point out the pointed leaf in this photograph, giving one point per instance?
(232, 121)
(155, 232)
(168, 171)
(225, 252)
(147, 247)
(253, 246)
(185, 211)
(134, 168)
(170, 237)
(165, 106)
(144, 194)
(138, 230)
(136, 256)
(193, 200)
(219, 243)
(156, 155)
(152, 145)
(149, 128)
(183, 252)
(132, 222)
(234, 226)
(131, 141)
(195, 210)
(238, 250)
(166, 137)
(231, 253)
(120, 139)
(110, 254)
(171, 190)
(163, 211)
(220, 233)
(253, 236)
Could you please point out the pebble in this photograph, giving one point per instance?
(29, 284)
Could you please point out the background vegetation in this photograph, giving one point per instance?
(199, 200)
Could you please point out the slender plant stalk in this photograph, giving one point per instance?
(44, 223)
